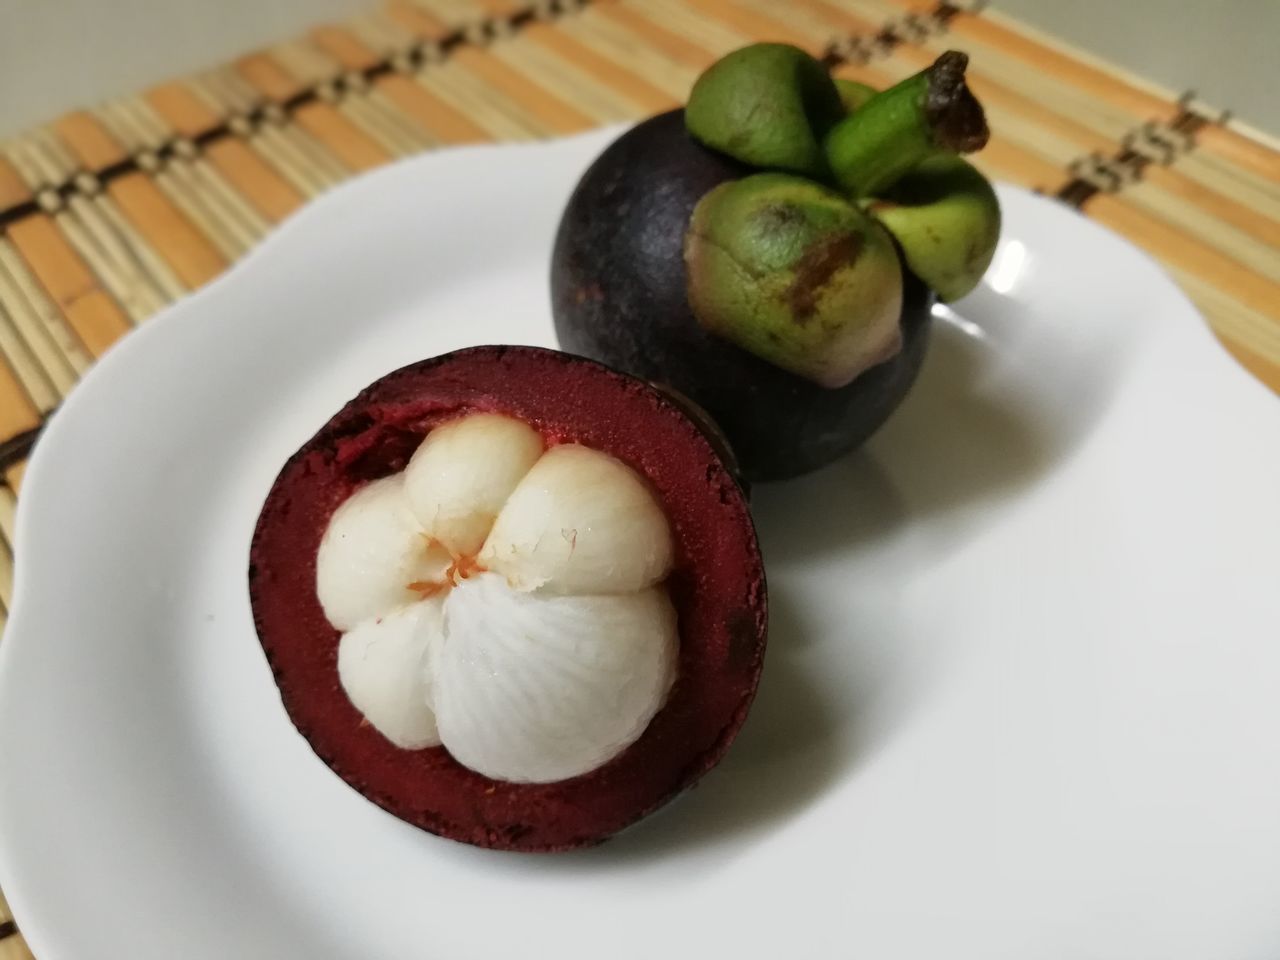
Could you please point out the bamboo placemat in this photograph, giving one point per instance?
(110, 213)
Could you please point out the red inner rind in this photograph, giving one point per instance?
(717, 586)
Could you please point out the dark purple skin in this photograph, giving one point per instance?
(618, 294)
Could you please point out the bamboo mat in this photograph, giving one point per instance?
(110, 213)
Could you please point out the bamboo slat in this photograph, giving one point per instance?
(13, 191)
(15, 948)
(45, 330)
(18, 412)
(92, 313)
(26, 364)
(14, 474)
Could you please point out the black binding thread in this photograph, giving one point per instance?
(1151, 142)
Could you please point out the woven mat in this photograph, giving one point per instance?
(109, 214)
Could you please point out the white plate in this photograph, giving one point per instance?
(1023, 685)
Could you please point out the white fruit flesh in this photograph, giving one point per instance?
(463, 473)
(504, 602)
(540, 687)
(374, 548)
(382, 664)
(580, 522)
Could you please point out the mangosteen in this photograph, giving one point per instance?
(511, 596)
(773, 251)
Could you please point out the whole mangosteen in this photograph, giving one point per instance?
(772, 251)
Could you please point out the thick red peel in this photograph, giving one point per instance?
(717, 587)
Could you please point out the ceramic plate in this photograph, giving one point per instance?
(1023, 686)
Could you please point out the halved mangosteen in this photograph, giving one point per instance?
(511, 596)
(773, 250)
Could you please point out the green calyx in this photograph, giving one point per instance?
(796, 274)
(853, 94)
(946, 218)
(768, 105)
(789, 265)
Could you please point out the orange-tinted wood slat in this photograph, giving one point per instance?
(344, 47)
(995, 94)
(269, 78)
(430, 112)
(1185, 252)
(644, 94)
(89, 140)
(13, 190)
(15, 948)
(676, 47)
(96, 318)
(191, 255)
(1009, 161)
(14, 475)
(843, 21)
(417, 21)
(182, 110)
(499, 8)
(273, 196)
(1240, 150)
(752, 23)
(1260, 227)
(184, 248)
(555, 113)
(17, 413)
(351, 145)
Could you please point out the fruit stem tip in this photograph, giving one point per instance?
(928, 113)
(953, 113)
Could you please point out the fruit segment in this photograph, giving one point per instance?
(533, 687)
(541, 656)
(463, 473)
(382, 665)
(580, 522)
(374, 549)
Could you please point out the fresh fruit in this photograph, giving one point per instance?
(511, 596)
(717, 256)
(620, 294)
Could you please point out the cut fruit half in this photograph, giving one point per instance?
(511, 596)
